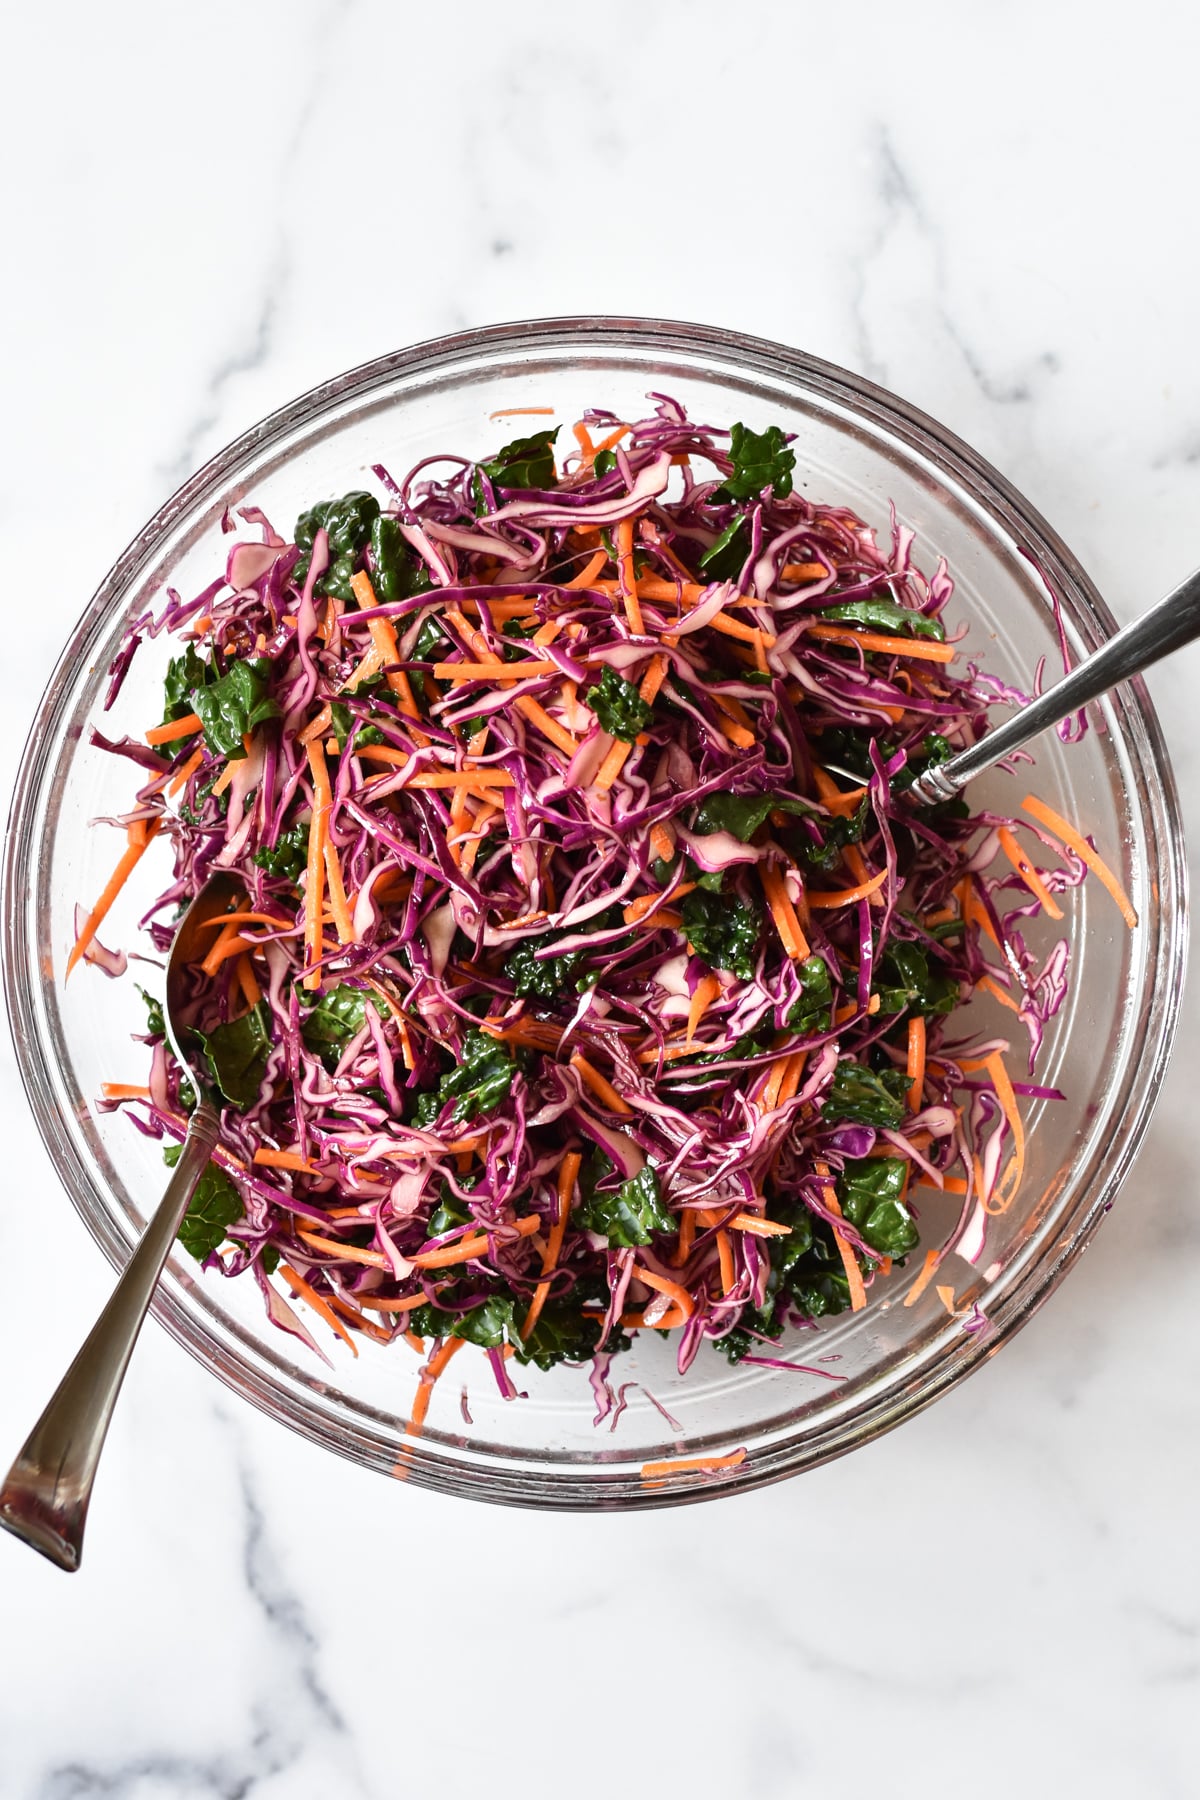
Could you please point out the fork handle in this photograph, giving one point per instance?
(45, 1495)
(1174, 622)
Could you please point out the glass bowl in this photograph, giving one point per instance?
(1107, 1049)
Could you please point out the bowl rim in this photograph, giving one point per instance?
(1140, 734)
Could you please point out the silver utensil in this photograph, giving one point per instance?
(1174, 622)
(45, 1495)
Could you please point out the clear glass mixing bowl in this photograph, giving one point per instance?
(1107, 1050)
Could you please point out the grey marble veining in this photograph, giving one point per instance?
(987, 209)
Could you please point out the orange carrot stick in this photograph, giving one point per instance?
(123, 1090)
(661, 1285)
(339, 905)
(725, 1262)
(495, 670)
(612, 765)
(706, 992)
(922, 649)
(568, 1174)
(858, 1292)
(627, 576)
(314, 892)
(520, 412)
(932, 1259)
(175, 728)
(465, 1249)
(1028, 873)
(604, 1091)
(429, 1374)
(662, 843)
(691, 1465)
(299, 1286)
(756, 1226)
(846, 896)
(1076, 841)
(916, 1063)
(246, 981)
(783, 912)
(371, 1259)
(285, 1159)
(549, 728)
(589, 571)
(645, 904)
(134, 851)
(184, 774)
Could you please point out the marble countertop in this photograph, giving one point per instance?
(211, 208)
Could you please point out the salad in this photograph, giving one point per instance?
(592, 973)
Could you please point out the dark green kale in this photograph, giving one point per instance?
(396, 572)
(741, 814)
(836, 834)
(603, 463)
(156, 1025)
(565, 1333)
(231, 707)
(723, 560)
(886, 616)
(338, 1017)
(479, 1081)
(237, 1055)
(869, 1191)
(287, 857)
(544, 979)
(347, 524)
(449, 1212)
(813, 1010)
(618, 706)
(629, 1214)
(723, 930)
(760, 459)
(346, 723)
(905, 980)
(862, 1097)
(215, 1206)
(183, 674)
(527, 462)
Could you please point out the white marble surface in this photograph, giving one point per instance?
(210, 207)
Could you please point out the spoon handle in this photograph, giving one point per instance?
(45, 1496)
(1175, 621)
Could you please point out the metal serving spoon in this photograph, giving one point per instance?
(1174, 622)
(45, 1495)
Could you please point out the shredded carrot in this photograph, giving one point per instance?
(627, 576)
(383, 637)
(429, 1374)
(1010, 1181)
(299, 1286)
(465, 1249)
(661, 1285)
(175, 728)
(568, 1174)
(229, 771)
(394, 1306)
(858, 1292)
(691, 1465)
(973, 910)
(997, 992)
(946, 1296)
(583, 437)
(371, 1259)
(314, 892)
(783, 912)
(612, 765)
(520, 412)
(791, 1076)
(916, 1063)
(932, 1259)
(549, 728)
(316, 727)
(286, 1159)
(846, 896)
(589, 571)
(343, 923)
(245, 978)
(662, 843)
(1076, 841)
(768, 1100)
(495, 670)
(129, 860)
(803, 571)
(687, 1232)
(832, 797)
(613, 439)
(756, 1226)
(357, 1322)
(653, 679)
(370, 665)
(922, 649)
(725, 1260)
(735, 629)
(645, 904)
(604, 1091)
(243, 918)
(184, 774)
(951, 1184)
(123, 1090)
(1028, 873)
(706, 992)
